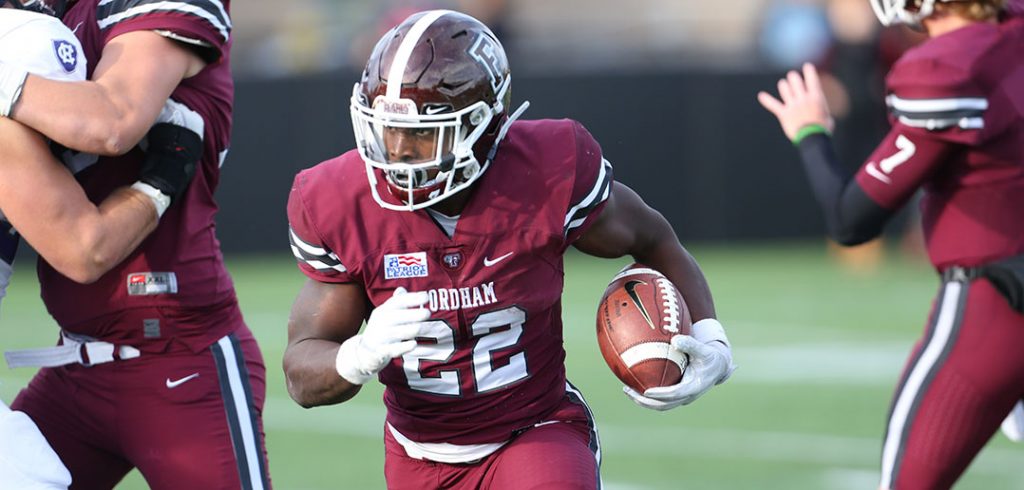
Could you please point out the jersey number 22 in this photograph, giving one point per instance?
(491, 337)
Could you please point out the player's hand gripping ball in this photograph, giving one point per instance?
(639, 313)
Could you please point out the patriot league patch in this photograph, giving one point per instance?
(398, 266)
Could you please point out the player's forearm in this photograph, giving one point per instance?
(126, 218)
(84, 116)
(47, 207)
(311, 377)
(669, 257)
(100, 237)
(851, 217)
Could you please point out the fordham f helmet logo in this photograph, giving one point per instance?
(483, 51)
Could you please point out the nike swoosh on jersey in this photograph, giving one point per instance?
(179, 382)
(488, 262)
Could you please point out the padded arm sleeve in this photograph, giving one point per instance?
(851, 217)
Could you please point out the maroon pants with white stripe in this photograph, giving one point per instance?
(563, 454)
(187, 421)
(961, 380)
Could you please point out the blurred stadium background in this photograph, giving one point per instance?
(667, 87)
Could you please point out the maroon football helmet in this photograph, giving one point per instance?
(55, 8)
(440, 75)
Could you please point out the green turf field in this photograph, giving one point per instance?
(819, 350)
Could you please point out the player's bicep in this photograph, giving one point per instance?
(323, 316)
(138, 71)
(625, 225)
(901, 163)
(326, 311)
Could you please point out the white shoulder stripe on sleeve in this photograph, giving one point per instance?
(936, 114)
(316, 257)
(220, 22)
(933, 124)
(305, 247)
(937, 105)
(598, 194)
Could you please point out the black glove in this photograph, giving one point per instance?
(171, 158)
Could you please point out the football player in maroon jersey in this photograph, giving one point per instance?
(166, 377)
(40, 197)
(44, 202)
(957, 107)
(446, 229)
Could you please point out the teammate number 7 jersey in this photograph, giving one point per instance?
(492, 362)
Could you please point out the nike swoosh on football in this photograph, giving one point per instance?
(177, 383)
(631, 291)
(488, 262)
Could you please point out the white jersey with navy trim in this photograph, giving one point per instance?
(41, 45)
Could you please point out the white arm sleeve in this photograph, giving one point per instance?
(41, 45)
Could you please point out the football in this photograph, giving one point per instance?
(639, 313)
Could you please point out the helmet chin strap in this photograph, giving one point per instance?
(447, 163)
(504, 130)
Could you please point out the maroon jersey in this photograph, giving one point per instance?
(179, 268)
(957, 102)
(493, 359)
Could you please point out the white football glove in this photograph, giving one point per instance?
(390, 332)
(710, 364)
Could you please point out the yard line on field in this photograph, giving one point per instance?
(826, 449)
(846, 363)
(613, 485)
(743, 445)
(366, 421)
(787, 330)
(352, 418)
(849, 479)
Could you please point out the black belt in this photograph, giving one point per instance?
(1006, 275)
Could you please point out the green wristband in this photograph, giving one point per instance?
(807, 131)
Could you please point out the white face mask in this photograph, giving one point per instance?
(892, 12)
(451, 166)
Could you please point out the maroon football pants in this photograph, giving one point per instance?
(960, 382)
(561, 455)
(184, 420)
